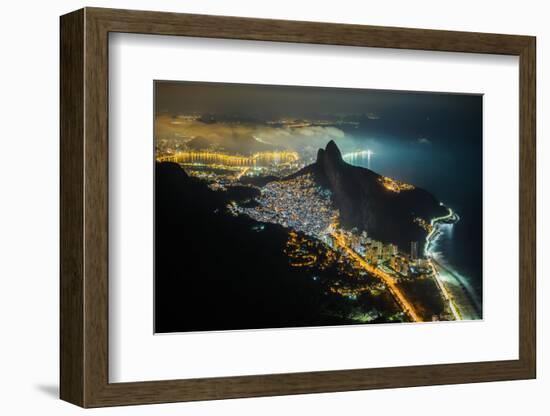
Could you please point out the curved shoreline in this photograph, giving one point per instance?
(474, 304)
(461, 300)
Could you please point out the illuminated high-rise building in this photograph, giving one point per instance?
(414, 250)
(377, 247)
(388, 251)
(395, 263)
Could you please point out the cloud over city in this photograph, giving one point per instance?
(299, 138)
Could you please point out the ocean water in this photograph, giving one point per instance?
(455, 178)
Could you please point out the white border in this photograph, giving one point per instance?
(135, 354)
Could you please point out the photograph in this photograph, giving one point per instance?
(297, 206)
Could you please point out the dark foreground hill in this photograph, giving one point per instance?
(215, 271)
(365, 203)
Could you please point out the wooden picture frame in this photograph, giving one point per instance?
(84, 207)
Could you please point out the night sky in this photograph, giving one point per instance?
(270, 101)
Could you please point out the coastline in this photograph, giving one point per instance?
(455, 291)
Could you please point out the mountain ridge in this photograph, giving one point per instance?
(366, 204)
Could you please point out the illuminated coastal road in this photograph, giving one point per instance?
(464, 304)
(219, 158)
(386, 278)
(451, 288)
(429, 238)
(433, 223)
(446, 295)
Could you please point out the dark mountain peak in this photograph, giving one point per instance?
(332, 152)
(364, 202)
(320, 155)
(329, 160)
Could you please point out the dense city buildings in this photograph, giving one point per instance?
(298, 204)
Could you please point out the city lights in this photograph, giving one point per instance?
(316, 240)
(394, 185)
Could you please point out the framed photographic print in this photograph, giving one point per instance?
(260, 207)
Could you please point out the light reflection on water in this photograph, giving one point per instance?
(443, 251)
(360, 158)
